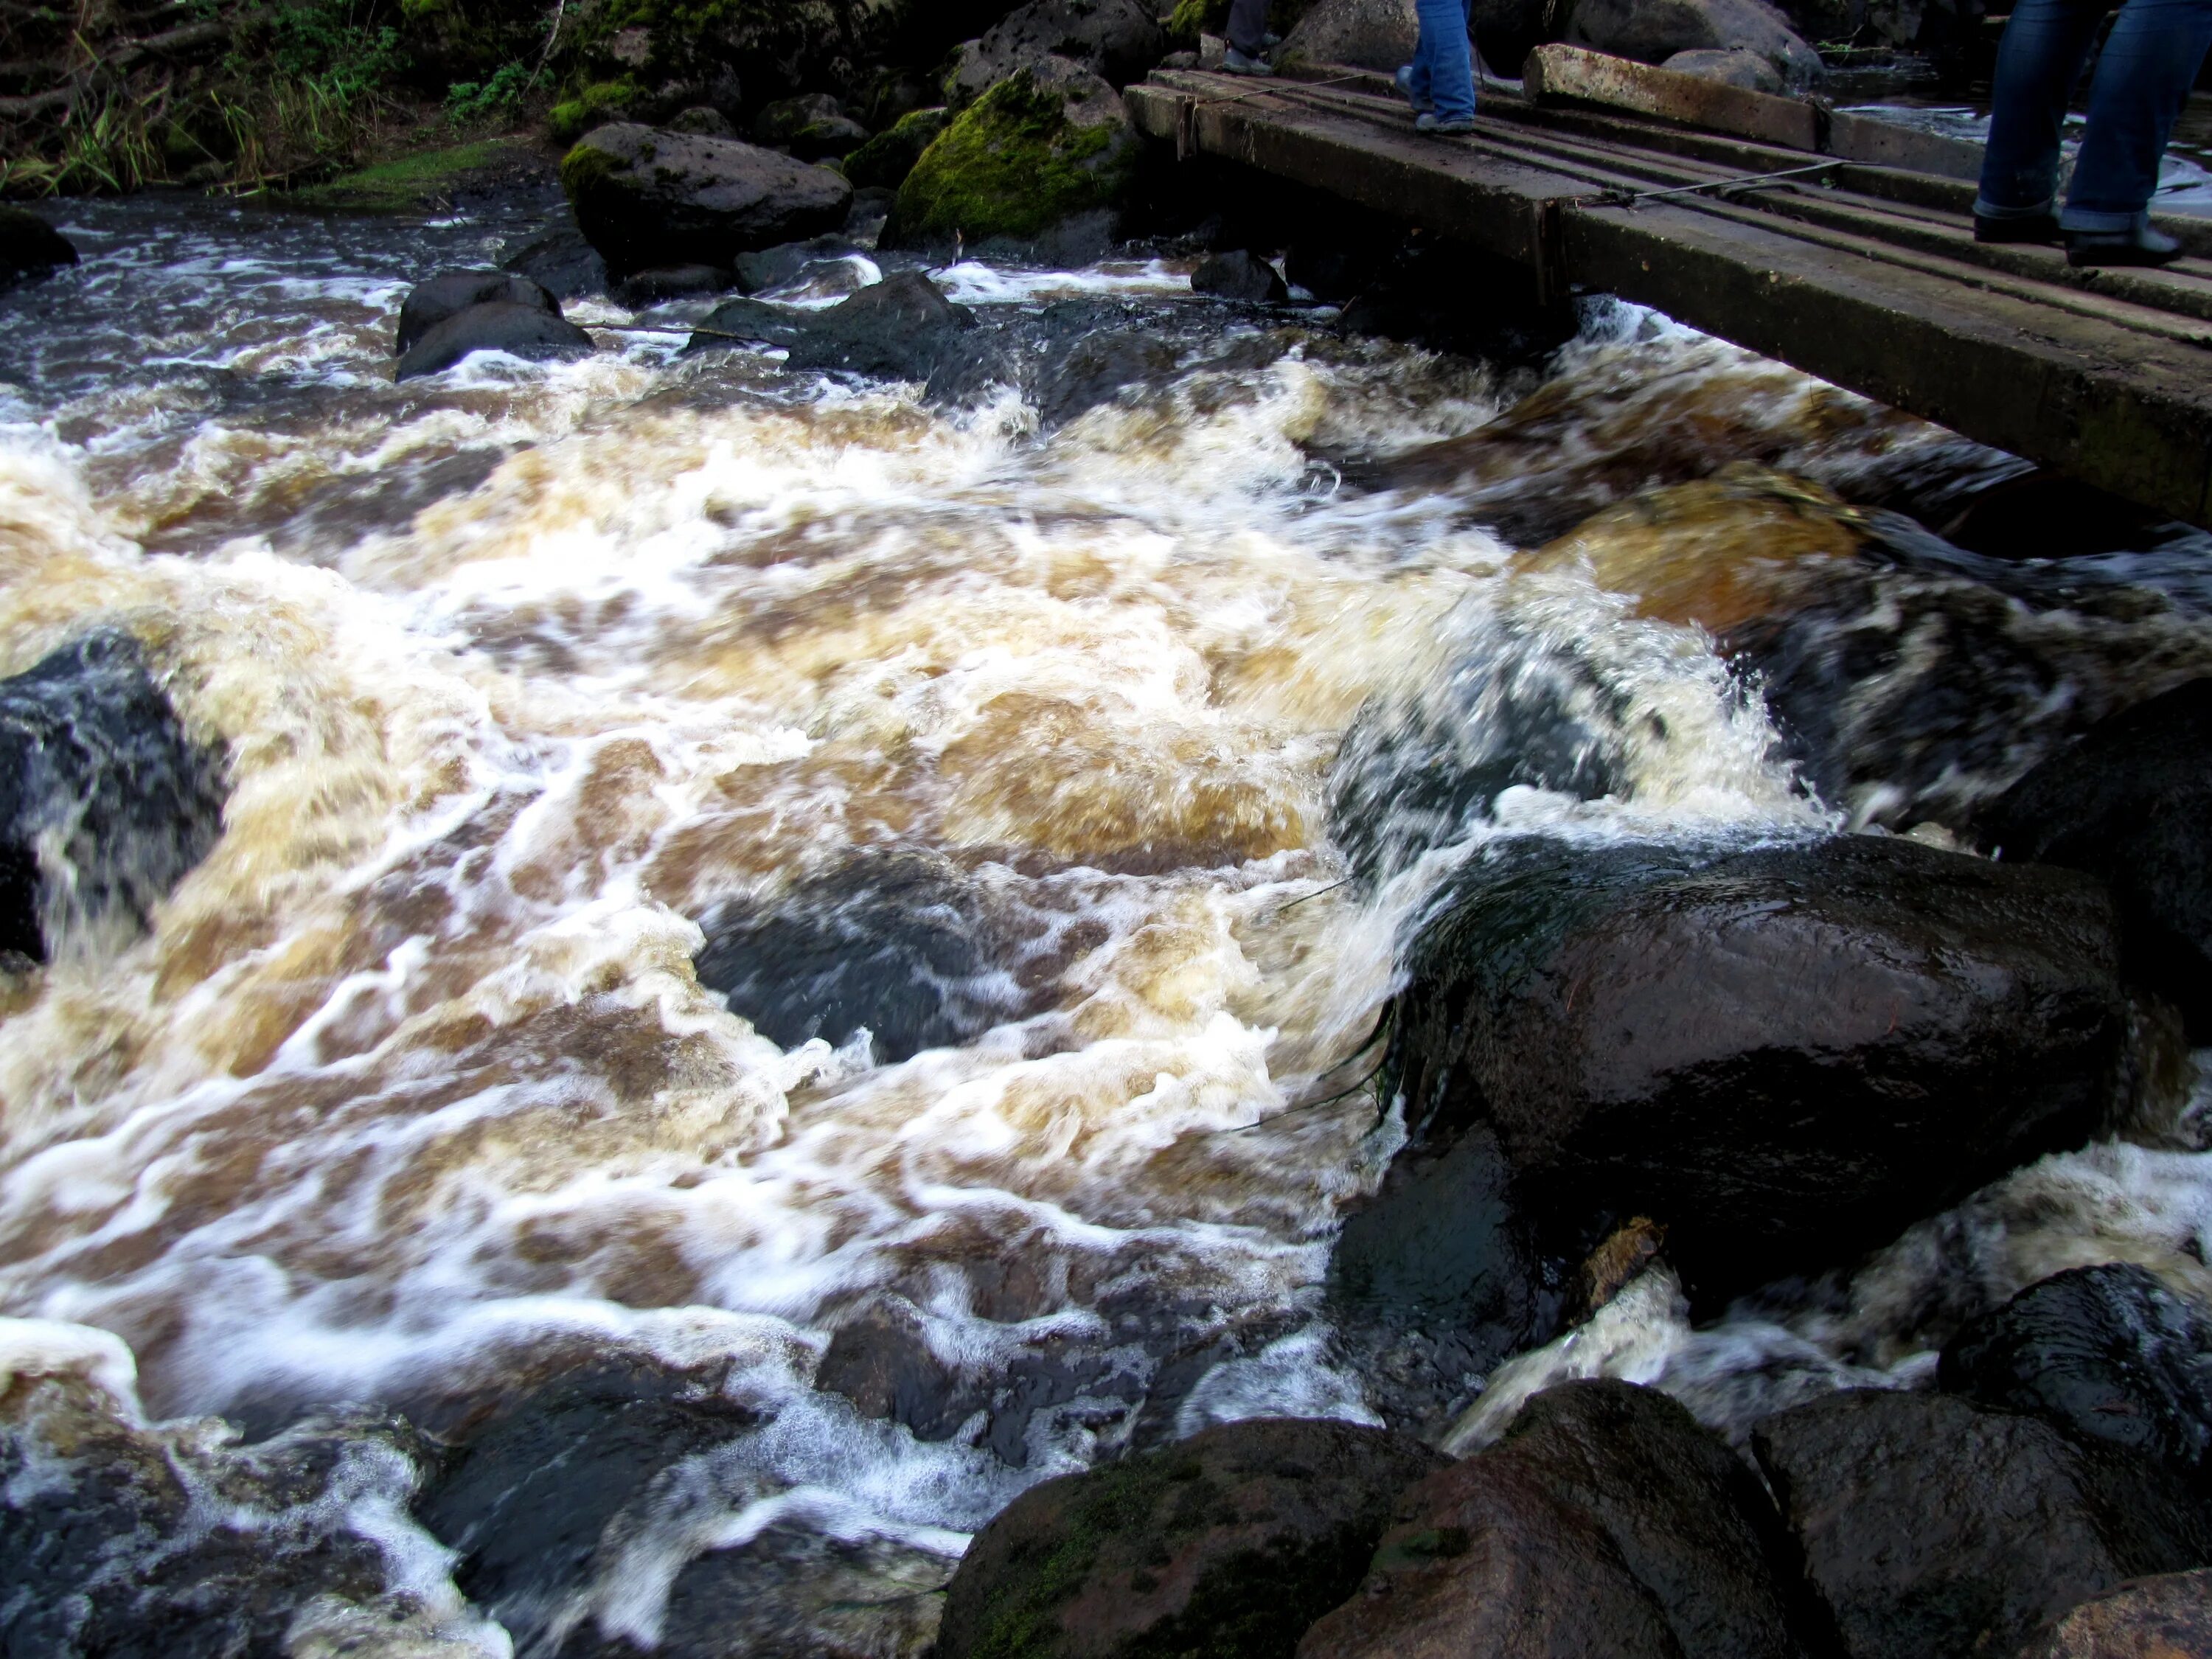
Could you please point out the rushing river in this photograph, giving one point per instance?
(988, 764)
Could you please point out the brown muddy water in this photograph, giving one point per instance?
(715, 857)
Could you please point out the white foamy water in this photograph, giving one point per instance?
(532, 679)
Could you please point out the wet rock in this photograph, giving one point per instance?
(2168, 1616)
(813, 128)
(1376, 34)
(1071, 356)
(664, 282)
(704, 119)
(2130, 801)
(1240, 276)
(562, 263)
(524, 331)
(1045, 157)
(1232, 1541)
(903, 946)
(885, 161)
(1117, 40)
(449, 293)
(1652, 31)
(105, 801)
(1456, 300)
(792, 262)
(1735, 67)
(528, 1493)
(1638, 1027)
(2107, 1353)
(646, 197)
(1930, 1525)
(30, 248)
(898, 329)
(1606, 1522)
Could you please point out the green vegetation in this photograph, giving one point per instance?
(497, 98)
(413, 184)
(604, 100)
(1019, 160)
(886, 159)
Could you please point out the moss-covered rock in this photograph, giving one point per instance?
(424, 182)
(593, 106)
(647, 198)
(1048, 144)
(885, 161)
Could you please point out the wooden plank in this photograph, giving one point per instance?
(1578, 75)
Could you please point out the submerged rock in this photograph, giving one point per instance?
(900, 329)
(650, 288)
(1607, 1524)
(449, 293)
(2107, 1354)
(1784, 1056)
(1117, 40)
(105, 800)
(2165, 1617)
(1932, 1526)
(1655, 30)
(2131, 802)
(646, 198)
(885, 161)
(1376, 34)
(30, 248)
(1046, 155)
(1230, 1543)
(519, 330)
(1240, 276)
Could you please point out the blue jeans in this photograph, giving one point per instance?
(2153, 55)
(1443, 62)
(1248, 26)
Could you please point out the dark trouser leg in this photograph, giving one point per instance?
(1248, 26)
(2143, 80)
(2038, 61)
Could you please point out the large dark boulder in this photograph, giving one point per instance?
(30, 247)
(2165, 1617)
(1231, 1543)
(1376, 34)
(429, 303)
(646, 197)
(561, 262)
(527, 331)
(105, 801)
(898, 329)
(1784, 1056)
(2131, 802)
(1117, 40)
(1930, 1525)
(1653, 31)
(1607, 1523)
(885, 161)
(1239, 274)
(2106, 1352)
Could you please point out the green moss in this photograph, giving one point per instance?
(414, 183)
(1012, 165)
(573, 117)
(886, 159)
(583, 167)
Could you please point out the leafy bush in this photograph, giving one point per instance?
(496, 98)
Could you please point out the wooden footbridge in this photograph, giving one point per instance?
(1839, 245)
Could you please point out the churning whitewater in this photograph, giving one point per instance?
(715, 859)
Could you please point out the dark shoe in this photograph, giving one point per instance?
(2140, 247)
(1241, 63)
(2036, 228)
(1443, 126)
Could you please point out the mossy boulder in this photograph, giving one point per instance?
(885, 161)
(1049, 145)
(593, 106)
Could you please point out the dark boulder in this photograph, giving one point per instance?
(30, 247)
(1783, 1055)
(1376, 34)
(1653, 31)
(885, 161)
(1118, 41)
(646, 197)
(561, 262)
(2168, 1616)
(446, 295)
(1930, 1525)
(2131, 802)
(105, 801)
(1735, 67)
(650, 288)
(2106, 1352)
(1238, 275)
(898, 329)
(1230, 1543)
(703, 119)
(1607, 1524)
(526, 331)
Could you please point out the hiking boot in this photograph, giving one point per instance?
(1238, 63)
(1443, 126)
(1405, 77)
(2034, 227)
(2137, 245)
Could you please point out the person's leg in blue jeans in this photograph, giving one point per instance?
(2038, 61)
(1444, 65)
(2143, 77)
(1247, 37)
